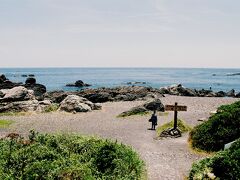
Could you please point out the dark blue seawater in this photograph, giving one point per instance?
(57, 78)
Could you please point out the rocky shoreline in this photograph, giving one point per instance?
(31, 96)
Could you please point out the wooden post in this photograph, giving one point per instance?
(175, 116)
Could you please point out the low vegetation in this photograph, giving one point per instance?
(220, 129)
(14, 113)
(182, 126)
(53, 107)
(67, 157)
(5, 123)
(223, 165)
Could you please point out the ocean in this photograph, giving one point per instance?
(198, 78)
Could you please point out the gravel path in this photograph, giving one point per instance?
(165, 159)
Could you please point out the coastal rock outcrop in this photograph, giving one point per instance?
(39, 90)
(2, 78)
(30, 80)
(178, 90)
(78, 83)
(57, 96)
(74, 103)
(156, 104)
(123, 93)
(231, 93)
(19, 106)
(19, 93)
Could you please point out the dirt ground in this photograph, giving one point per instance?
(165, 159)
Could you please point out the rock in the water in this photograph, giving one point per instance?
(231, 93)
(19, 93)
(30, 80)
(154, 105)
(74, 103)
(79, 83)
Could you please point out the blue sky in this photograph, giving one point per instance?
(120, 33)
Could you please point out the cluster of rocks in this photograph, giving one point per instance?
(151, 105)
(78, 83)
(30, 83)
(19, 97)
(100, 95)
(180, 90)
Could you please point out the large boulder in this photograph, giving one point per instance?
(156, 104)
(19, 106)
(74, 103)
(2, 78)
(99, 97)
(19, 93)
(56, 96)
(39, 90)
(238, 95)
(126, 97)
(30, 80)
(231, 93)
(221, 94)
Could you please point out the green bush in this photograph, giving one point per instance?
(223, 165)
(220, 129)
(67, 157)
(51, 108)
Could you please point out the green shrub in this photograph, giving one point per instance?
(223, 165)
(67, 157)
(220, 129)
(53, 107)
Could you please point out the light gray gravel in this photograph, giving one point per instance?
(165, 159)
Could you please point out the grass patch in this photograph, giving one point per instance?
(14, 113)
(52, 108)
(5, 123)
(182, 126)
(163, 113)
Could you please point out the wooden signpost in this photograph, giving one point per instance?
(175, 108)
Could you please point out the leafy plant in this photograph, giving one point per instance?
(51, 108)
(45, 156)
(223, 165)
(220, 129)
